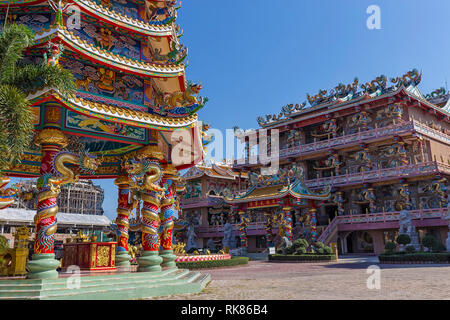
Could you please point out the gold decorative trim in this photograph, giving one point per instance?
(51, 136)
(150, 151)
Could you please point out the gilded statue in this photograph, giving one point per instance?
(186, 98)
(104, 39)
(86, 162)
(107, 78)
(83, 83)
(178, 249)
(50, 187)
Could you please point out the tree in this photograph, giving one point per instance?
(390, 247)
(301, 243)
(403, 239)
(318, 244)
(429, 241)
(19, 77)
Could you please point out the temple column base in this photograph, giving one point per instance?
(168, 259)
(149, 261)
(43, 266)
(122, 259)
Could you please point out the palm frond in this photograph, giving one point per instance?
(13, 40)
(16, 125)
(32, 77)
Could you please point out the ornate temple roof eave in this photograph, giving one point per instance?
(205, 172)
(429, 104)
(133, 117)
(115, 18)
(295, 189)
(104, 57)
(128, 23)
(293, 118)
(193, 177)
(318, 197)
(17, 3)
(337, 107)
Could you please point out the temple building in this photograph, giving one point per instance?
(133, 109)
(202, 203)
(381, 150)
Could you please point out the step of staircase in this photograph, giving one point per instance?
(112, 287)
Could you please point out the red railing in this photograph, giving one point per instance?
(381, 217)
(359, 137)
(412, 170)
(430, 132)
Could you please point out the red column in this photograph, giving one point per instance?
(150, 193)
(313, 213)
(167, 211)
(123, 210)
(150, 217)
(51, 142)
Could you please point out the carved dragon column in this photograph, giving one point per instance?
(167, 215)
(372, 200)
(288, 223)
(340, 203)
(269, 235)
(123, 183)
(151, 194)
(313, 214)
(243, 228)
(43, 264)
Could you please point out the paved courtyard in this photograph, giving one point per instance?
(346, 279)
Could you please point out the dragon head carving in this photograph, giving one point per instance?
(135, 168)
(89, 163)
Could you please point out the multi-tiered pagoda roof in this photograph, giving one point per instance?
(130, 73)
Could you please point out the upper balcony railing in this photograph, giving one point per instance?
(430, 132)
(411, 170)
(326, 231)
(398, 129)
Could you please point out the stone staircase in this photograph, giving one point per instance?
(121, 286)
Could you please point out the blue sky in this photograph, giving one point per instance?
(254, 56)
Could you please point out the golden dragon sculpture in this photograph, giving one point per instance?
(50, 187)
